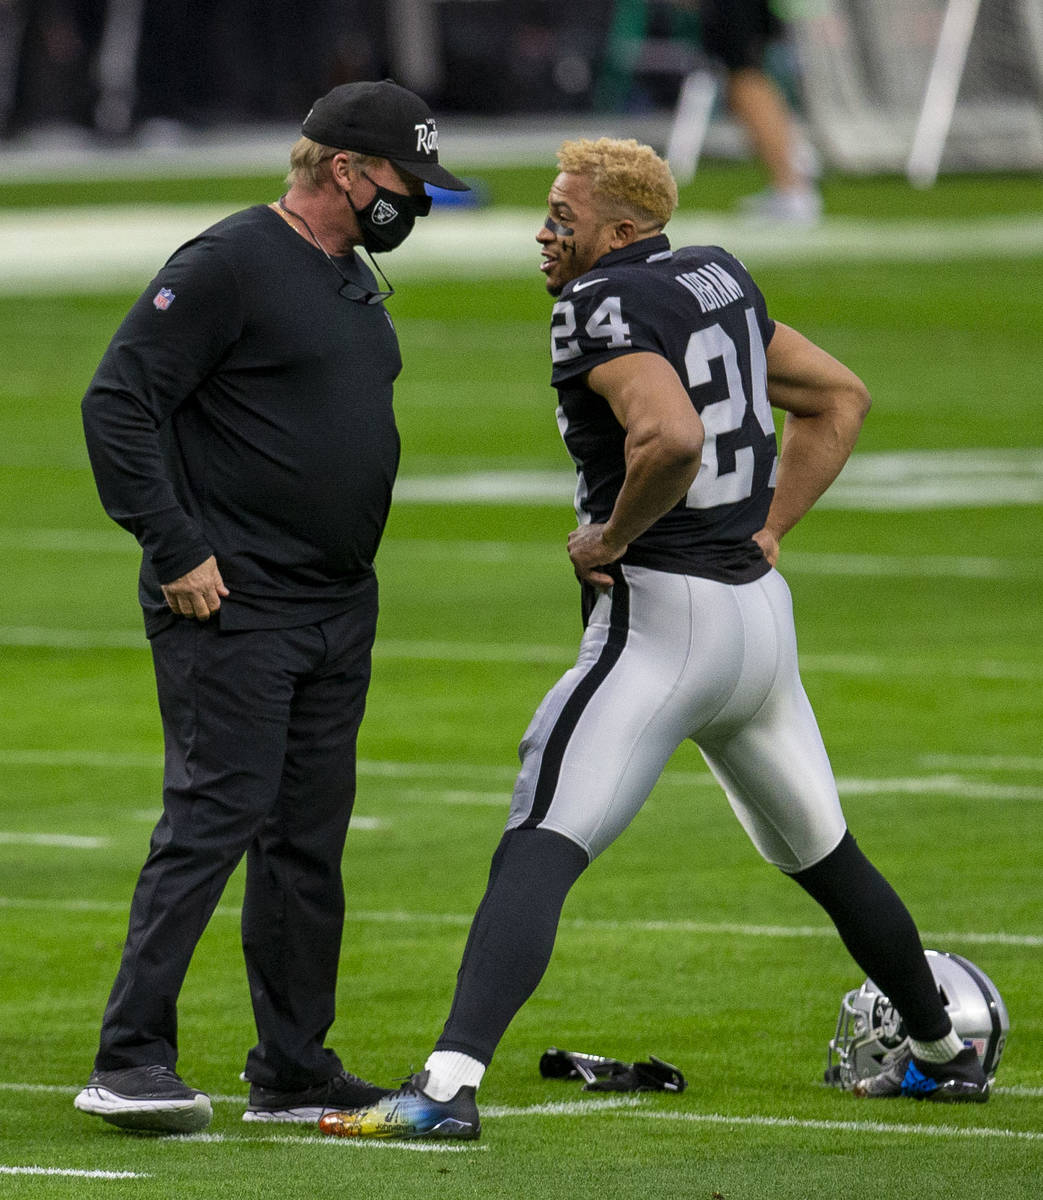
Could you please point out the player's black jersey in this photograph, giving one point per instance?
(699, 308)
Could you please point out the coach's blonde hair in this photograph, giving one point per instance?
(627, 178)
(309, 162)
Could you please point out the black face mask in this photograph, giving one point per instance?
(387, 220)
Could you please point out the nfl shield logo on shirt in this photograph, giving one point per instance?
(163, 299)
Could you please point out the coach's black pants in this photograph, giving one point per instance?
(260, 730)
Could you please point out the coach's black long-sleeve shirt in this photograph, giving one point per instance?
(244, 409)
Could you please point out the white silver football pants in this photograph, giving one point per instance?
(668, 657)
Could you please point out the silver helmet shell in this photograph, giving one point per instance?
(869, 1026)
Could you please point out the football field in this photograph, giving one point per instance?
(917, 590)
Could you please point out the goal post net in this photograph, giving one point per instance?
(922, 86)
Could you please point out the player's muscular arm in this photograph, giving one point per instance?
(825, 406)
(664, 441)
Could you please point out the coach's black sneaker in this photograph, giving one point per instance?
(409, 1113)
(154, 1099)
(960, 1080)
(308, 1104)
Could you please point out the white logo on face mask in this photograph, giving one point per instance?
(384, 213)
(427, 137)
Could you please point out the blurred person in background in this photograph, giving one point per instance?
(737, 33)
(205, 62)
(164, 69)
(48, 52)
(240, 425)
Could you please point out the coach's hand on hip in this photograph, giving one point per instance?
(198, 593)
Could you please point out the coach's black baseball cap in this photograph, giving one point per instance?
(385, 120)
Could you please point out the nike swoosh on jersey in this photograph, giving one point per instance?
(578, 287)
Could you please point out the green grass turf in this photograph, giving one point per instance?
(479, 616)
(716, 186)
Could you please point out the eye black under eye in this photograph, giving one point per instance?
(558, 230)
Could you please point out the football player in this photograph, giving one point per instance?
(667, 363)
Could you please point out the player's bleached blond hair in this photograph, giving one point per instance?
(628, 179)
(309, 162)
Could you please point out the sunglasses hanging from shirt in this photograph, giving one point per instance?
(349, 289)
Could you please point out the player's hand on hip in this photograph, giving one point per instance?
(198, 593)
(769, 545)
(589, 550)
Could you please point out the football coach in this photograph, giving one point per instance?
(240, 425)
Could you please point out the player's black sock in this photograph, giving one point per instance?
(511, 937)
(880, 935)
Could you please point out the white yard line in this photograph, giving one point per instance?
(629, 1106)
(73, 639)
(900, 566)
(903, 481)
(455, 797)
(65, 841)
(72, 1173)
(936, 785)
(939, 785)
(491, 552)
(34, 636)
(69, 541)
(915, 785)
(463, 921)
(983, 762)
(92, 248)
(317, 1140)
(101, 759)
(552, 1108)
(872, 1127)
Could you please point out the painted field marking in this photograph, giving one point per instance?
(902, 481)
(361, 824)
(102, 759)
(493, 553)
(983, 762)
(72, 639)
(870, 664)
(631, 1106)
(550, 1109)
(874, 1127)
(564, 1108)
(417, 1147)
(918, 785)
(457, 797)
(938, 785)
(74, 541)
(134, 760)
(463, 921)
(478, 772)
(928, 785)
(493, 652)
(901, 566)
(89, 248)
(491, 772)
(833, 664)
(67, 841)
(73, 1173)
(885, 481)
(735, 929)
